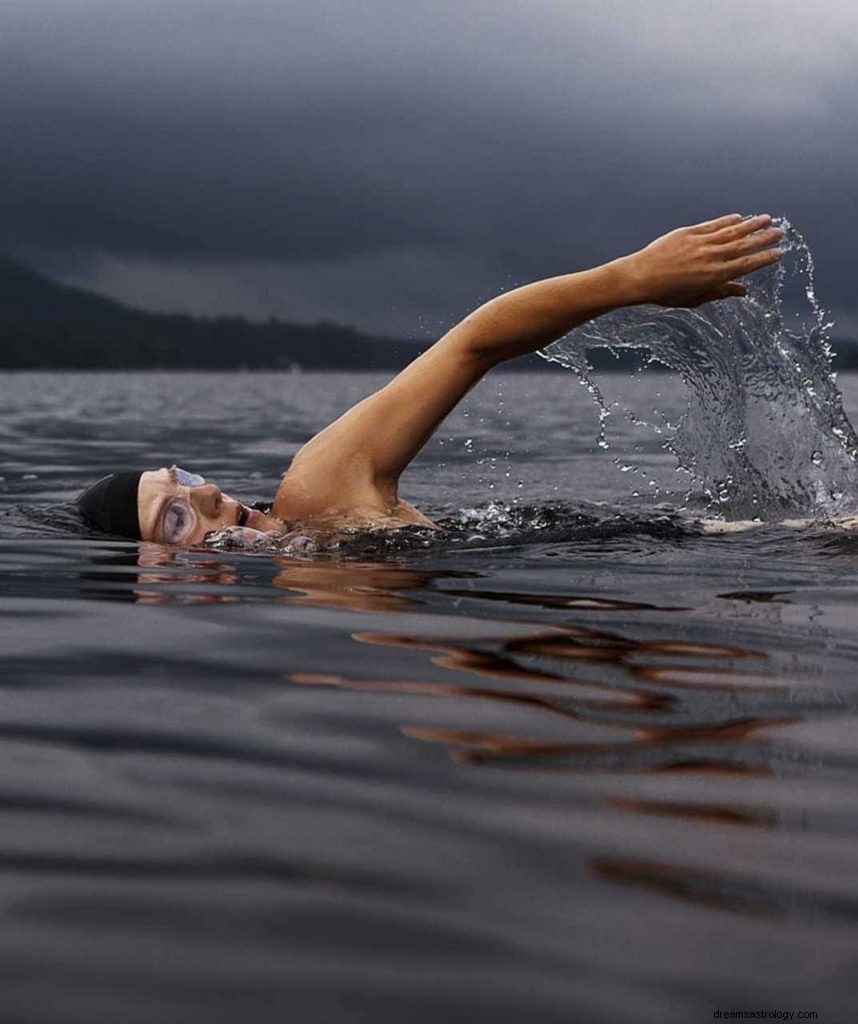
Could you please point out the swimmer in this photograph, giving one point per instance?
(347, 476)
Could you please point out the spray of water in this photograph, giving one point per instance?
(764, 433)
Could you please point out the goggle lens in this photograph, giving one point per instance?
(186, 479)
(179, 521)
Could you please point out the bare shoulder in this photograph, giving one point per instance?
(310, 490)
(337, 495)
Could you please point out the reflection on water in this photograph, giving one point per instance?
(715, 814)
(358, 586)
(662, 725)
(759, 596)
(695, 886)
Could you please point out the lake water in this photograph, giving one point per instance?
(576, 760)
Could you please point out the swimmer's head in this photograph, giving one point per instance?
(168, 506)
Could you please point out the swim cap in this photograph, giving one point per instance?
(111, 503)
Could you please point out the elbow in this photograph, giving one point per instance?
(482, 339)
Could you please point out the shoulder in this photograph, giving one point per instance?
(351, 503)
(322, 490)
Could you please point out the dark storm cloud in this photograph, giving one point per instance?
(499, 140)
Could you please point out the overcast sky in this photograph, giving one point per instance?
(392, 163)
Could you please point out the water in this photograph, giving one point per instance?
(578, 761)
(763, 433)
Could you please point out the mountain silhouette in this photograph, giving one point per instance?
(26, 294)
(48, 325)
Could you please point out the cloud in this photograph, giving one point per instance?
(316, 142)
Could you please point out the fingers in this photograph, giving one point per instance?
(716, 225)
(752, 243)
(733, 290)
(733, 232)
(753, 261)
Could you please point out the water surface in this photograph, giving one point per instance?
(577, 761)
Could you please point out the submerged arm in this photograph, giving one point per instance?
(364, 452)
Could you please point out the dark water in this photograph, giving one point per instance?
(577, 761)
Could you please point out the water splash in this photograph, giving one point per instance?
(764, 433)
(488, 526)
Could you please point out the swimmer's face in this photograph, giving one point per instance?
(174, 512)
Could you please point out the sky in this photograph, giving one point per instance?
(393, 163)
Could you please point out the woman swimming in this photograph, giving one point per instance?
(347, 476)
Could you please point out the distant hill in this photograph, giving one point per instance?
(48, 325)
(26, 294)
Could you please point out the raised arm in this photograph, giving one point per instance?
(359, 458)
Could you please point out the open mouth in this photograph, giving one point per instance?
(246, 516)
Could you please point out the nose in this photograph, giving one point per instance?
(207, 500)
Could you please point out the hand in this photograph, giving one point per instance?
(697, 264)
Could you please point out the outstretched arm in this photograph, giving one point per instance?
(362, 454)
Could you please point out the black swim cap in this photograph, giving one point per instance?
(111, 503)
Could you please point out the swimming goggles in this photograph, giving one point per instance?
(186, 479)
(179, 520)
